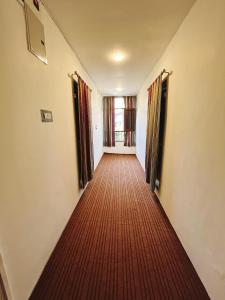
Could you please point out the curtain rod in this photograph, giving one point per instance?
(77, 74)
(166, 72)
(163, 72)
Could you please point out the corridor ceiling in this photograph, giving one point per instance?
(118, 41)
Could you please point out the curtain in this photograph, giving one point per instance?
(130, 121)
(109, 121)
(152, 138)
(82, 101)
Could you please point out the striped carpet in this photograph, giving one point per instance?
(119, 244)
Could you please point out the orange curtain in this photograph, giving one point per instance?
(152, 137)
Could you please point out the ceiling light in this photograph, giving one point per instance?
(118, 57)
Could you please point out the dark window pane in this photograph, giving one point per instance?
(129, 119)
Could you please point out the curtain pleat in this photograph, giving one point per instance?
(130, 121)
(152, 138)
(109, 121)
(84, 132)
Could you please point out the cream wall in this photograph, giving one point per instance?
(38, 175)
(120, 149)
(193, 182)
(97, 123)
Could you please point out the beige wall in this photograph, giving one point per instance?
(193, 181)
(120, 149)
(97, 124)
(38, 174)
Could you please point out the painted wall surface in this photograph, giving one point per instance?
(193, 181)
(97, 123)
(38, 174)
(120, 149)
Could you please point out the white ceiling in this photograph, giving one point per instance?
(97, 29)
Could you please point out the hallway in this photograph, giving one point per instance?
(118, 244)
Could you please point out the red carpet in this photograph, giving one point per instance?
(119, 244)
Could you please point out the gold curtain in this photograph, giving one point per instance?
(152, 138)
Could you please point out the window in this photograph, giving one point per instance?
(119, 119)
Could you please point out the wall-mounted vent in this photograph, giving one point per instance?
(35, 31)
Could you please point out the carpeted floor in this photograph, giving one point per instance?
(119, 244)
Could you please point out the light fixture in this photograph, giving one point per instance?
(119, 56)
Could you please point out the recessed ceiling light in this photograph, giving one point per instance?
(118, 56)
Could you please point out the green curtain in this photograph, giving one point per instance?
(152, 138)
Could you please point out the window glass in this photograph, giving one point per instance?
(119, 119)
(119, 102)
(119, 137)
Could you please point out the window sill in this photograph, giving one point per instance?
(120, 149)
